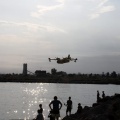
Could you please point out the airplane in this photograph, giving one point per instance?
(63, 60)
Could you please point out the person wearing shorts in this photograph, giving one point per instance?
(69, 106)
(55, 106)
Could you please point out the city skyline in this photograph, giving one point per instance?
(33, 31)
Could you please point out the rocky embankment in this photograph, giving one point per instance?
(105, 109)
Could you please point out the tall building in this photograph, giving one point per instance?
(25, 69)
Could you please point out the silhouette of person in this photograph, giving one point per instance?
(41, 109)
(56, 106)
(98, 96)
(79, 110)
(69, 106)
(39, 116)
(103, 94)
(51, 115)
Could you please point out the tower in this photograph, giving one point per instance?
(25, 69)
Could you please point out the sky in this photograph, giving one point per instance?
(31, 31)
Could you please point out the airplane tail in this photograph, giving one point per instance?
(69, 56)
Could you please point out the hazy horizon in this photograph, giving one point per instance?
(32, 31)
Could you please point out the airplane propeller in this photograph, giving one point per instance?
(75, 60)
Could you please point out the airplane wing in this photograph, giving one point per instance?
(52, 59)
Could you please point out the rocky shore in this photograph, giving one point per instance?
(105, 109)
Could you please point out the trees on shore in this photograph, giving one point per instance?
(62, 77)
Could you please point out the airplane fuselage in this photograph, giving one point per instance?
(62, 61)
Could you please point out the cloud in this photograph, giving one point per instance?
(105, 9)
(102, 3)
(11, 38)
(32, 27)
(41, 10)
(101, 9)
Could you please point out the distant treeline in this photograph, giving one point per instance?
(62, 77)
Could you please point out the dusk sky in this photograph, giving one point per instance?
(31, 31)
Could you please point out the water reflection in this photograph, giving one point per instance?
(26, 101)
(37, 94)
(15, 111)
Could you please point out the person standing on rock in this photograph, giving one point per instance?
(103, 94)
(69, 106)
(98, 96)
(56, 106)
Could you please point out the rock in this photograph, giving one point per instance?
(106, 109)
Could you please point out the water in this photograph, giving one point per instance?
(21, 100)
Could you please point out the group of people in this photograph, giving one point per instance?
(55, 106)
(98, 95)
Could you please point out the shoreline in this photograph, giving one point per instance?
(59, 79)
(107, 108)
(102, 83)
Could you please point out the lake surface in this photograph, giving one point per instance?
(21, 100)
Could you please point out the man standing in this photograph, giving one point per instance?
(56, 106)
(98, 96)
(103, 94)
(69, 106)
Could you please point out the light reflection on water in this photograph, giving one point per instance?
(21, 100)
(37, 94)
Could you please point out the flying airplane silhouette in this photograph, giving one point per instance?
(63, 60)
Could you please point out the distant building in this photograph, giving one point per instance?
(40, 73)
(61, 73)
(25, 69)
